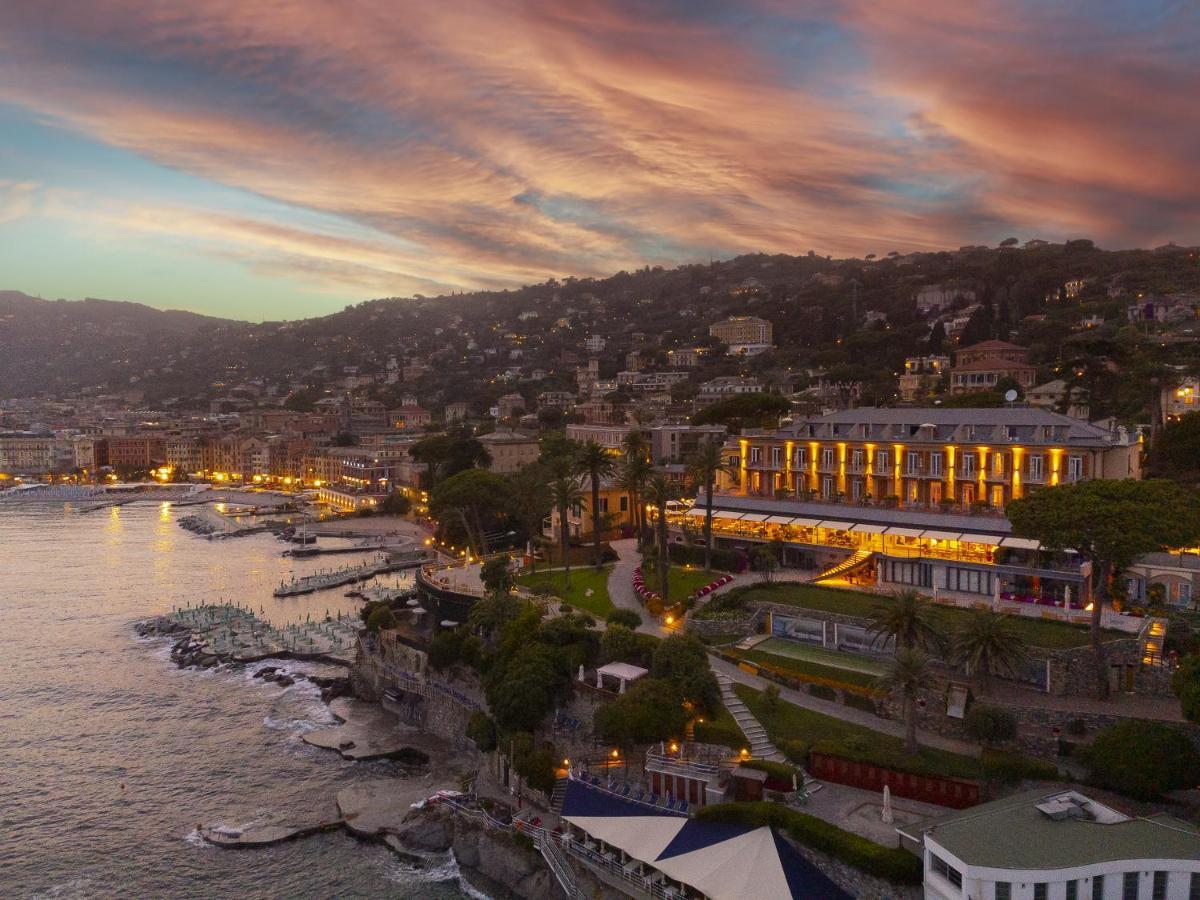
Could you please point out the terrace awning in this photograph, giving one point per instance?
(754, 517)
(780, 520)
(992, 539)
(802, 522)
(897, 531)
(1021, 543)
(836, 526)
(868, 528)
(726, 514)
(697, 511)
(942, 535)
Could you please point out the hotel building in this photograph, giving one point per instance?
(888, 498)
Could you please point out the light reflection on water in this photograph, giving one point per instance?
(111, 756)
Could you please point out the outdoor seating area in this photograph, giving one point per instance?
(634, 793)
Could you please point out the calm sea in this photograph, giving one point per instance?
(110, 755)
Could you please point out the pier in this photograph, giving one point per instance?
(384, 563)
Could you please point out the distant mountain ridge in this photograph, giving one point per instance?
(856, 319)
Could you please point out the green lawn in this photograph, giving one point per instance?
(720, 729)
(785, 722)
(793, 723)
(1036, 632)
(683, 581)
(817, 662)
(582, 580)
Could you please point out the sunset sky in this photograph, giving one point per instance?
(276, 159)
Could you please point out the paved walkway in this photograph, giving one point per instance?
(845, 713)
(620, 586)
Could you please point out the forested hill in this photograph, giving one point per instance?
(821, 309)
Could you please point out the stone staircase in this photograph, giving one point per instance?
(1153, 636)
(559, 795)
(760, 745)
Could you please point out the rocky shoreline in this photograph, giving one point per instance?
(190, 652)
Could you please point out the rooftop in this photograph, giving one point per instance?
(1063, 830)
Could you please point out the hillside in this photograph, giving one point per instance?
(60, 345)
(819, 308)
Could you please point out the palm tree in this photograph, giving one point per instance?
(906, 675)
(988, 645)
(596, 463)
(908, 619)
(565, 491)
(635, 470)
(660, 492)
(704, 466)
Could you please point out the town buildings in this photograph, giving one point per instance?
(510, 450)
(747, 335)
(980, 366)
(922, 377)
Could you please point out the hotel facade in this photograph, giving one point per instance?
(891, 498)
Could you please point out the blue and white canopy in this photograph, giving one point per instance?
(720, 860)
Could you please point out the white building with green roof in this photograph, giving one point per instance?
(1060, 846)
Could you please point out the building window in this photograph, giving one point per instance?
(914, 573)
(801, 458)
(969, 581)
(1129, 887)
(968, 465)
(912, 462)
(1072, 890)
(776, 456)
(1035, 468)
(947, 871)
(997, 463)
(755, 455)
(1041, 891)
(856, 459)
(1097, 887)
(827, 458)
(1159, 891)
(827, 488)
(624, 503)
(882, 460)
(856, 489)
(1194, 887)
(935, 464)
(1074, 468)
(1003, 890)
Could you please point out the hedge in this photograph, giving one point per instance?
(890, 863)
(692, 554)
(866, 704)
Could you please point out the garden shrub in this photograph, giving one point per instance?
(1142, 759)
(822, 692)
(858, 701)
(482, 730)
(989, 724)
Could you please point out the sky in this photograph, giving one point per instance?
(283, 158)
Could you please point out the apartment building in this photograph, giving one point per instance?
(747, 335)
(922, 376)
(980, 366)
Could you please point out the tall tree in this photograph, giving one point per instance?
(660, 492)
(704, 466)
(596, 463)
(1109, 524)
(988, 646)
(530, 499)
(564, 490)
(635, 471)
(906, 675)
(908, 619)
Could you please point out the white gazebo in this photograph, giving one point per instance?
(623, 672)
